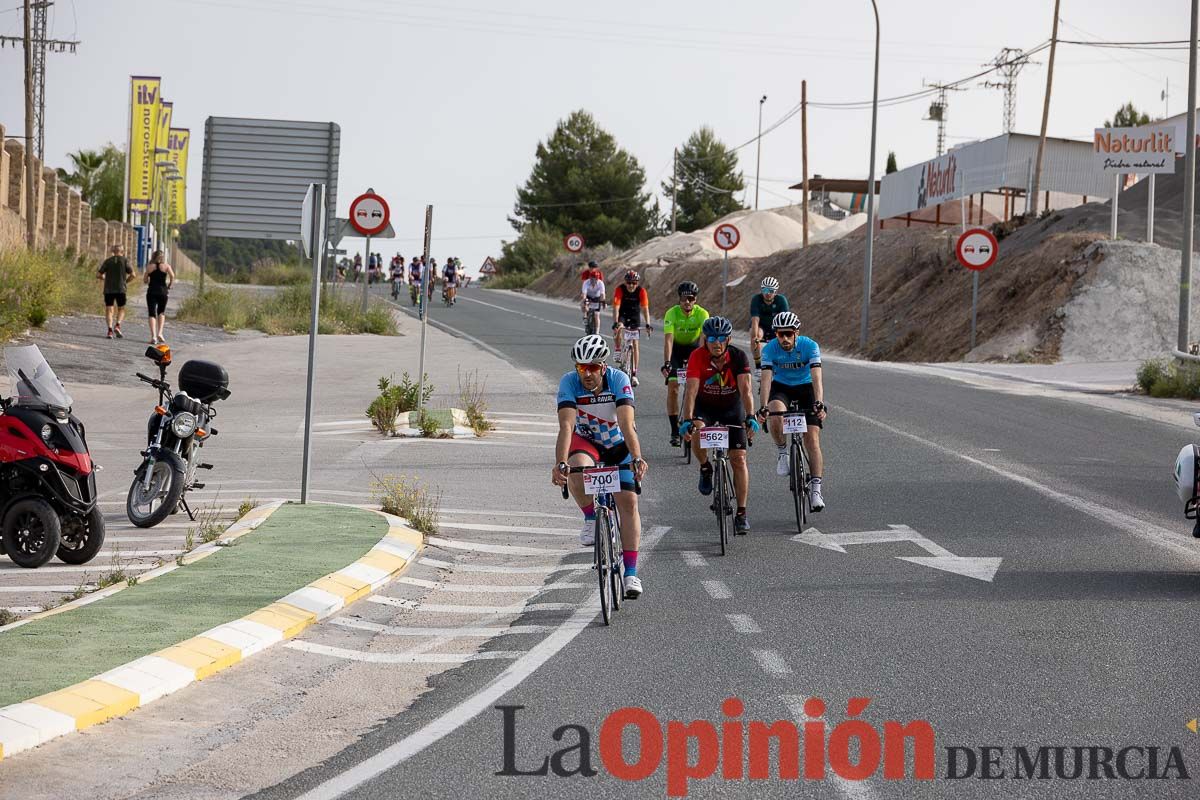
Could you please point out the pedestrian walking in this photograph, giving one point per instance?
(115, 272)
(159, 279)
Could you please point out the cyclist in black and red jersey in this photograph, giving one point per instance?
(631, 311)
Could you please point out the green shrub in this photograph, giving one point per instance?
(394, 399)
(286, 312)
(1150, 373)
(1165, 378)
(406, 497)
(513, 280)
(37, 286)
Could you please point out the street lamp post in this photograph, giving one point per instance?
(758, 165)
(866, 306)
(1189, 193)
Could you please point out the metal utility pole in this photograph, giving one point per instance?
(1189, 194)
(30, 181)
(937, 113)
(1037, 167)
(758, 164)
(36, 46)
(869, 259)
(674, 189)
(1009, 64)
(804, 154)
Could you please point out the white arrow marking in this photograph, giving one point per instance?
(983, 569)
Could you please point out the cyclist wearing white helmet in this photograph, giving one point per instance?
(791, 373)
(595, 426)
(763, 308)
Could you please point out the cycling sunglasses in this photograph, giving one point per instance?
(786, 334)
(717, 338)
(589, 369)
(769, 291)
(687, 298)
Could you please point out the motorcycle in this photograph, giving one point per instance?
(1187, 480)
(47, 478)
(176, 431)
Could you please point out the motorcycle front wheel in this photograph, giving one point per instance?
(31, 532)
(148, 506)
(82, 537)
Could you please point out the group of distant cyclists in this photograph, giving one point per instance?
(451, 277)
(596, 401)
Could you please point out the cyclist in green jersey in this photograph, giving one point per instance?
(681, 335)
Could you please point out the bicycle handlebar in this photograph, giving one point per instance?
(637, 485)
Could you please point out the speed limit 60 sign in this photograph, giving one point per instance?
(573, 242)
(977, 249)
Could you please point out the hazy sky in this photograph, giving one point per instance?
(444, 103)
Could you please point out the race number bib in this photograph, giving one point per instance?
(602, 480)
(795, 423)
(714, 438)
(593, 306)
(631, 336)
(681, 374)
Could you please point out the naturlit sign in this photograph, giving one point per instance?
(1135, 151)
(939, 179)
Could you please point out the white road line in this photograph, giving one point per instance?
(693, 559)
(43, 589)
(743, 623)
(484, 526)
(475, 588)
(403, 658)
(476, 704)
(448, 608)
(6, 572)
(457, 544)
(522, 414)
(529, 422)
(717, 590)
(450, 633)
(523, 314)
(501, 570)
(855, 790)
(495, 513)
(542, 434)
(23, 609)
(1171, 540)
(341, 423)
(771, 662)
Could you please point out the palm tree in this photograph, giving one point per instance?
(87, 165)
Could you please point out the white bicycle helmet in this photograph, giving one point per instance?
(590, 350)
(770, 284)
(785, 320)
(1185, 473)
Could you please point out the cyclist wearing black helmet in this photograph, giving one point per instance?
(631, 312)
(718, 393)
(681, 334)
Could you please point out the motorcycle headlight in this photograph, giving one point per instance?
(47, 432)
(183, 424)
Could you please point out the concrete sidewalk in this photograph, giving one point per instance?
(1101, 377)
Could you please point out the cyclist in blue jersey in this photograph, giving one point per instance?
(791, 371)
(595, 427)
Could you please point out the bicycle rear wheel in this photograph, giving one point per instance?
(798, 484)
(603, 563)
(617, 570)
(686, 444)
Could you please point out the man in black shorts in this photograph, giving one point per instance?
(718, 393)
(115, 272)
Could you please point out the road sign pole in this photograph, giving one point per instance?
(318, 215)
(724, 281)
(1150, 211)
(366, 275)
(974, 304)
(424, 316)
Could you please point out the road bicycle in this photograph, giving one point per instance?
(795, 425)
(607, 555)
(624, 359)
(591, 317)
(715, 439)
(685, 441)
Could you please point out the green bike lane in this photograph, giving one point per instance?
(1080, 639)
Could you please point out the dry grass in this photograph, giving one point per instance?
(246, 506)
(408, 498)
(7, 617)
(37, 286)
(118, 569)
(471, 393)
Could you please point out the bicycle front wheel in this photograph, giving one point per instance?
(603, 562)
(719, 505)
(798, 484)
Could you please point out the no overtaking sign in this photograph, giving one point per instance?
(977, 249)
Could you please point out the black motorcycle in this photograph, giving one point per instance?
(47, 478)
(178, 428)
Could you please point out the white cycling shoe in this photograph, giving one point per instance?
(633, 381)
(633, 587)
(587, 534)
(783, 466)
(815, 500)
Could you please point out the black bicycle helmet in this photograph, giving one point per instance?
(632, 277)
(688, 287)
(717, 326)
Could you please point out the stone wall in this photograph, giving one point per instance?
(61, 218)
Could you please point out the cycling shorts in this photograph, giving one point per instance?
(731, 417)
(630, 319)
(803, 396)
(617, 456)
(679, 359)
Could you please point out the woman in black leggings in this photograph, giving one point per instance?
(160, 278)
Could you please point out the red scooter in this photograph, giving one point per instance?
(47, 479)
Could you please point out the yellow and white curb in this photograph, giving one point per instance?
(121, 690)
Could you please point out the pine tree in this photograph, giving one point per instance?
(708, 181)
(1128, 117)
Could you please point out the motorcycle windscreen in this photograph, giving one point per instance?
(31, 380)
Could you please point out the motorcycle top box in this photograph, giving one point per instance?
(47, 479)
(204, 380)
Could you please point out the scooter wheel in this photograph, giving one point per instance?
(31, 532)
(82, 537)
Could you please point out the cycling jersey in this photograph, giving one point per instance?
(794, 368)
(596, 414)
(718, 387)
(593, 289)
(628, 304)
(766, 312)
(684, 327)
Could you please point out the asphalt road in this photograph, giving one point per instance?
(1084, 636)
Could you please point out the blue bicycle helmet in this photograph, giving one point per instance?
(717, 326)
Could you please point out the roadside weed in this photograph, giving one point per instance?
(118, 569)
(246, 506)
(7, 617)
(471, 393)
(396, 398)
(408, 498)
